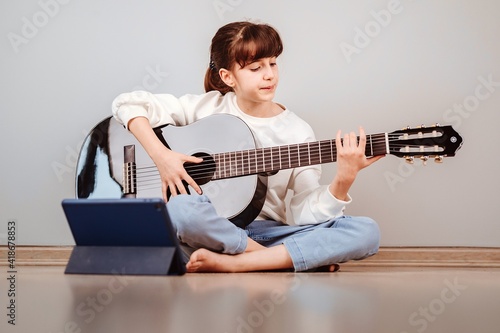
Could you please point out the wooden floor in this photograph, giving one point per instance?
(356, 299)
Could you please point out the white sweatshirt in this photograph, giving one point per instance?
(310, 203)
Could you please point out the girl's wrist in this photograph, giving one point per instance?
(340, 186)
(157, 151)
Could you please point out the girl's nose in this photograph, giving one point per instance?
(268, 72)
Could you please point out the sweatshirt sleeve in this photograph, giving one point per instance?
(163, 109)
(311, 202)
(160, 109)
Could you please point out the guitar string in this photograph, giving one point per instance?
(203, 172)
(238, 156)
(152, 175)
(379, 139)
(262, 152)
(314, 155)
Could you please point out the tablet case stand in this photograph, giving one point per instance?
(124, 260)
(122, 236)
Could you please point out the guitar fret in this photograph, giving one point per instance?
(232, 171)
(225, 166)
(289, 159)
(256, 171)
(298, 154)
(279, 153)
(381, 144)
(263, 159)
(309, 152)
(258, 160)
(319, 149)
(386, 136)
(220, 165)
(314, 153)
(217, 165)
(325, 152)
(248, 162)
(242, 163)
(275, 151)
(294, 162)
(236, 164)
(271, 151)
(371, 145)
(331, 150)
(304, 154)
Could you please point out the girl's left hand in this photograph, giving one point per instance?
(351, 154)
(350, 160)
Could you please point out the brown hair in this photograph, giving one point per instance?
(239, 43)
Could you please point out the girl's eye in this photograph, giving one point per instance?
(255, 69)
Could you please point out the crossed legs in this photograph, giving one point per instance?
(267, 245)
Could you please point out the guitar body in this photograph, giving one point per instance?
(100, 167)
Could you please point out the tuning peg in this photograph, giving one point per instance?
(424, 160)
(409, 159)
(438, 159)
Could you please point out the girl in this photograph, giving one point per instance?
(241, 80)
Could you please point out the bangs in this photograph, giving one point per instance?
(256, 42)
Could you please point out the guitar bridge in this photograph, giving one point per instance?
(129, 172)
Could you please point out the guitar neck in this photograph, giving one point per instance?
(272, 159)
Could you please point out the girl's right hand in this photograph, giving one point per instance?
(170, 164)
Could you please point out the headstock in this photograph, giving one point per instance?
(422, 142)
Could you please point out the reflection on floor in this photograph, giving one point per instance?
(352, 300)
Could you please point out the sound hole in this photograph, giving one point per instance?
(202, 172)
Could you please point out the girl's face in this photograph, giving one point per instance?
(256, 82)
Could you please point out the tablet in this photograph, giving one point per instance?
(122, 236)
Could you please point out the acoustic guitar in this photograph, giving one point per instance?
(233, 174)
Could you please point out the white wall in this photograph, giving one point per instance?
(63, 63)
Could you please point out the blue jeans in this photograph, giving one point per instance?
(345, 238)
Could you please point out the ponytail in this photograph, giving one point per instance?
(214, 82)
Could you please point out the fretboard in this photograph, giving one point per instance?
(271, 159)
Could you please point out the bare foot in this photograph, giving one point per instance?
(276, 257)
(203, 260)
(329, 268)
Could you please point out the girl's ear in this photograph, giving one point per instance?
(227, 77)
